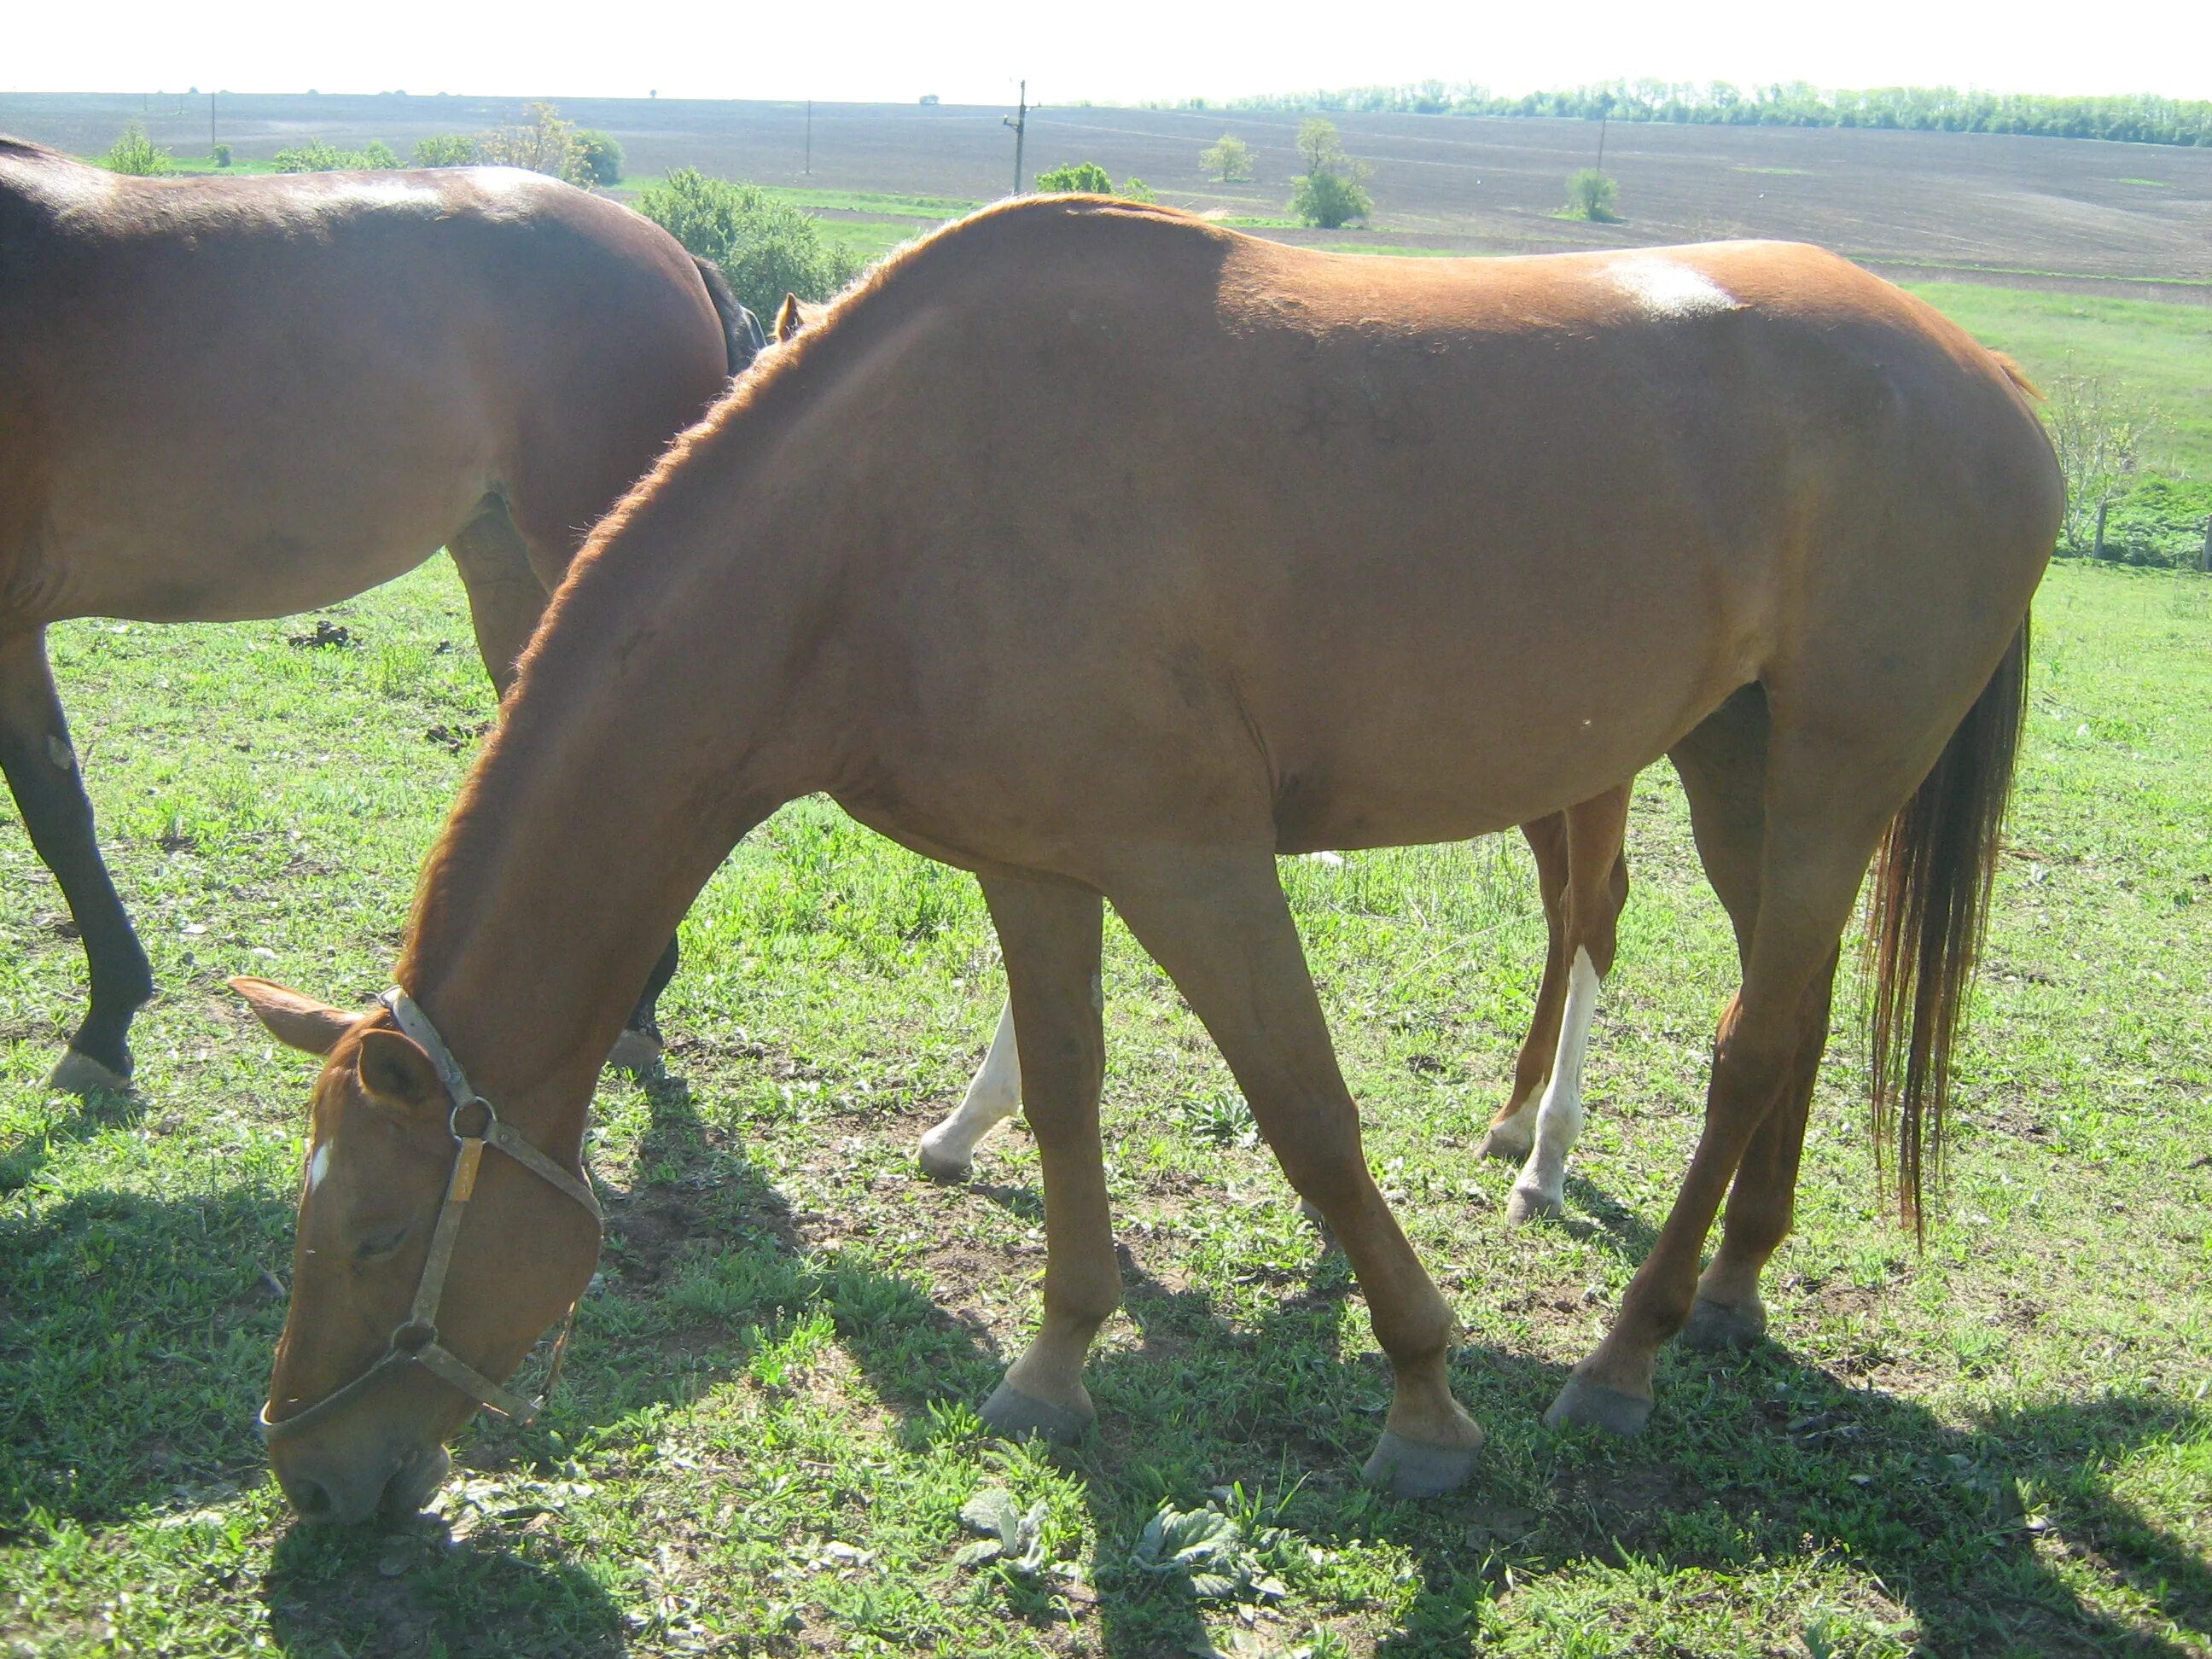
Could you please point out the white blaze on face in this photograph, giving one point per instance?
(319, 1166)
(1665, 288)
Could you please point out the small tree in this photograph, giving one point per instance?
(2100, 438)
(222, 155)
(765, 247)
(1134, 189)
(133, 152)
(1230, 162)
(603, 156)
(1590, 195)
(1087, 178)
(376, 154)
(1333, 191)
(450, 149)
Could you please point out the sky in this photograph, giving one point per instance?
(974, 51)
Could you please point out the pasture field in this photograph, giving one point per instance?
(2037, 211)
(2001, 1445)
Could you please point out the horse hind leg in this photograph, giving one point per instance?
(1787, 856)
(1512, 1133)
(947, 1152)
(1597, 887)
(48, 786)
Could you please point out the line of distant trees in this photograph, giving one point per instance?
(2131, 118)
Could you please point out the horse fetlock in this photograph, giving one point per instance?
(943, 1157)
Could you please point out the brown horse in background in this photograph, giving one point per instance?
(1361, 552)
(1582, 876)
(230, 398)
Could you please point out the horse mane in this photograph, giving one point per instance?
(777, 379)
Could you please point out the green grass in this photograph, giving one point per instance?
(2161, 352)
(1999, 1447)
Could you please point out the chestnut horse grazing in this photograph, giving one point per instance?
(1581, 873)
(1358, 551)
(240, 398)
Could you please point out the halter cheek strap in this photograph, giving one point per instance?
(475, 1126)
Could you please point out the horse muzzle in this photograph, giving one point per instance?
(331, 1493)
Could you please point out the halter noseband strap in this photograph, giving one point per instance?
(475, 1126)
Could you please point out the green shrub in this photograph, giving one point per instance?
(316, 156)
(602, 156)
(1086, 178)
(133, 152)
(450, 150)
(222, 155)
(541, 142)
(765, 247)
(1590, 195)
(1329, 200)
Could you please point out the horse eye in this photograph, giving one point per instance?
(379, 1245)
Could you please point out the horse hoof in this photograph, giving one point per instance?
(1410, 1468)
(635, 1051)
(1508, 1146)
(1533, 1204)
(940, 1165)
(1311, 1212)
(79, 1074)
(1715, 1328)
(1586, 1405)
(1012, 1415)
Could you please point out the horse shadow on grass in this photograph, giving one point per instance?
(140, 1333)
(1979, 1537)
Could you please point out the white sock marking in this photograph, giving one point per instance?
(994, 1094)
(1559, 1114)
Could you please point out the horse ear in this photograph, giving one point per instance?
(296, 1021)
(789, 319)
(395, 1071)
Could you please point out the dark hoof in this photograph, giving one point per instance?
(1528, 1203)
(939, 1166)
(1509, 1146)
(1012, 1415)
(1407, 1469)
(1311, 1213)
(1586, 1405)
(1715, 1327)
(635, 1051)
(79, 1074)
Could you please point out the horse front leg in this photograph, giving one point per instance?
(49, 789)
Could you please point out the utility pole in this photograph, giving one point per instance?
(1019, 122)
(211, 124)
(810, 135)
(1604, 111)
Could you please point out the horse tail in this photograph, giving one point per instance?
(1927, 911)
(742, 338)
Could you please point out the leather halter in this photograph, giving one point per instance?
(415, 1342)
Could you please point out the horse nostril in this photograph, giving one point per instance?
(311, 1498)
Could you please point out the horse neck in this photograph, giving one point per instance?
(662, 712)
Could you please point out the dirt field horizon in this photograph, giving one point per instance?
(2131, 219)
